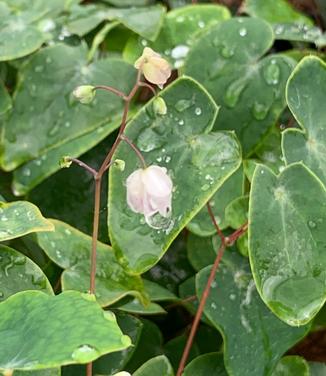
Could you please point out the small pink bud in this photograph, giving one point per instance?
(149, 191)
(155, 69)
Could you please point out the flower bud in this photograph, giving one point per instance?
(85, 93)
(123, 373)
(65, 162)
(149, 191)
(120, 164)
(155, 69)
(159, 106)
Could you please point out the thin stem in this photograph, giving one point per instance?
(236, 234)
(200, 310)
(96, 219)
(218, 230)
(112, 90)
(205, 295)
(84, 165)
(150, 87)
(89, 369)
(135, 149)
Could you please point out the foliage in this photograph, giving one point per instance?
(211, 259)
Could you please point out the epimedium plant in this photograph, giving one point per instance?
(204, 250)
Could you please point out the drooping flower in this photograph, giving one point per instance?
(155, 69)
(85, 93)
(149, 191)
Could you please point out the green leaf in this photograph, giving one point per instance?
(236, 213)
(70, 249)
(178, 32)
(233, 187)
(247, 325)
(44, 372)
(148, 346)
(112, 363)
(181, 142)
(207, 364)
(287, 241)
(292, 366)
(298, 33)
(25, 26)
(201, 251)
(159, 366)
(5, 99)
(174, 348)
(51, 318)
(44, 106)
(19, 273)
(30, 174)
(305, 99)
(137, 308)
(20, 218)
(317, 369)
(129, 3)
(275, 11)
(158, 293)
(250, 91)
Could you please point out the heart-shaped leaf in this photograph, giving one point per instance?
(292, 366)
(25, 25)
(176, 36)
(160, 366)
(305, 99)
(19, 273)
(287, 216)
(275, 11)
(232, 188)
(20, 218)
(207, 364)
(248, 326)
(181, 142)
(44, 106)
(34, 328)
(250, 91)
(70, 249)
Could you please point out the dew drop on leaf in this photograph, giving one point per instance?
(259, 110)
(85, 353)
(233, 93)
(272, 73)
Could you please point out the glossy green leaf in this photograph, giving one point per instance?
(19, 273)
(137, 308)
(249, 90)
(148, 346)
(160, 366)
(179, 29)
(25, 25)
(287, 241)
(236, 213)
(292, 366)
(70, 249)
(207, 364)
(157, 293)
(298, 33)
(181, 142)
(254, 339)
(44, 372)
(5, 99)
(30, 316)
(233, 187)
(305, 99)
(201, 251)
(32, 173)
(111, 363)
(20, 218)
(44, 105)
(275, 11)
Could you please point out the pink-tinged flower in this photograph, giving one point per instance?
(155, 69)
(149, 191)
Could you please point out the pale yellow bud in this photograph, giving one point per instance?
(85, 93)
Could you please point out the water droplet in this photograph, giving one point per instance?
(4, 218)
(213, 305)
(85, 354)
(272, 73)
(39, 68)
(39, 280)
(183, 104)
(26, 172)
(144, 42)
(149, 140)
(67, 124)
(233, 93)
(227, 51)
(198, 111)
(259, 110)
(201, 24)
(180, 52)
(19, 260)
(243, 32)
(205, 187)
(312, 224)
(232, 296)
(279, 29)
(109, 316)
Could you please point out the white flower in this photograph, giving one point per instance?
(155, 69)
(149, 191)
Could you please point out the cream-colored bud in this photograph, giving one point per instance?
(85, 93)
